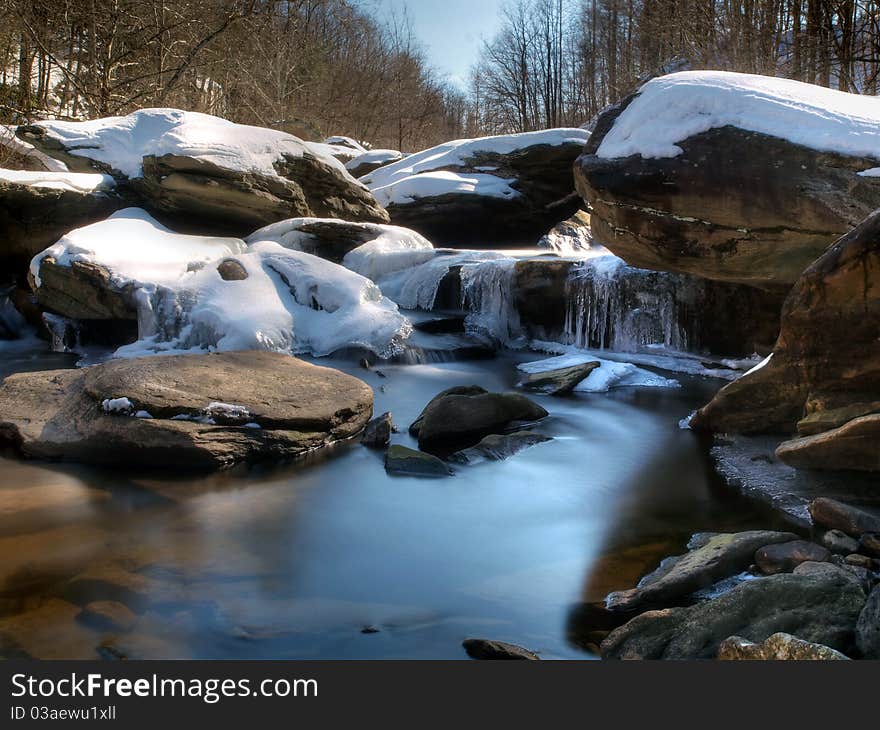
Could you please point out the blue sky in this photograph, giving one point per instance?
(450, 30)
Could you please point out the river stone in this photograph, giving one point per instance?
(839, 542)
(108, 616)
(560, 381)
(487, 649)
(497, 447)
(463, 420)
(823, 376)
(231, 270)
(785, 557)
(416, 425)
(868, 627)
(821, 607)
(779, 647)
(711, 557)
(377, 434)
(839, 516)
(409, 462)
(292, 408)
(735, 205)
(870, 544)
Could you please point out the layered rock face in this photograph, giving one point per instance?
(190, 167)
(750, 205)
(499, 190)
(182, 412)
(823, 378)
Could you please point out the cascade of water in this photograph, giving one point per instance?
(487, 296)
(64, 333)
(611, 305)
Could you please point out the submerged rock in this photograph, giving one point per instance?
(497, 447)
(785, 557)
(154, 411)
(737, 205)
(779, 647)
(487, 649)
(377, 433)
(711, 557)
(820, 607)
(839, 516)
(409, 462)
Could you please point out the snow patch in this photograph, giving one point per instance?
(117, 405)
(78, 182)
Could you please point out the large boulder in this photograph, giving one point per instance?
(182, 412)
(733, 177)
(820, 607)
(501, 190)
(38, 208)
(208, 173)
(823, 376)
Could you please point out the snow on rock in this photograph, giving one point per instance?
(367, 162)
(24, 149)
(117, 405)
(443, 182)
(672, 108)
(82, 182)
(607, 376)
(121, 143)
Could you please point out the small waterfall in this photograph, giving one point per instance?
(487, 297)
(611, 305)
(64, 333)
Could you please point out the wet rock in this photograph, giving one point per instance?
(497, 447)
(735, 205)
(409, 462)
(560, 381)
(108, 616)
(570, 236)
(839, 516)
(711, 557)
(487, 649)
(820, 607)
(378, 432)
(870, 544)
(839, 542)
(868, 627)
(463, 420)
(861, 561)
(232, 270)
(822, 379)
(292, 407)
(779, 647)
(785, 557)
(416, 425)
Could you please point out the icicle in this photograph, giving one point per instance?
(486, 294)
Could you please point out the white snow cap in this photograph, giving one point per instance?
(123, 142)
(672, 108)
(79, 182)
(427, 173)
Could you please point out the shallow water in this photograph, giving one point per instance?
(294, 561)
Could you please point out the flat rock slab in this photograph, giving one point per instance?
(559, 381)
(182, 412)
(486, 649)
(711, 558)
(836, 515)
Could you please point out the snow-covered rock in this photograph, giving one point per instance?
(209, 172)
(370, 161)
(729, 176)
(505, 189)
(609, 375)
(279, 300)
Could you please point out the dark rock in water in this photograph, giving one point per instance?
(711, 558)
(868, 627)
(862, 561)
(820, 607)
(378, 432)
(463, 420)
(785, 557)
(822, 377)
(839, 516)
(455, 390)
(735, 205)
(487, 649)
(32, 218)
(369, 630)
(231, 270)
(156, 411)
(441, 325)
(497, 447)
(839, 542)
(409, 462)
(108, 616)
(560, 381)
(779, 647)
(870, 544)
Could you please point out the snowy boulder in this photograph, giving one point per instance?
(165, 412)
(37, 208)
(184, 296)
(729, 176)
(502, 190)
(208, 173)
(823, 377)
(371, 161)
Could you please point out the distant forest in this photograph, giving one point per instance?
(325, 67)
